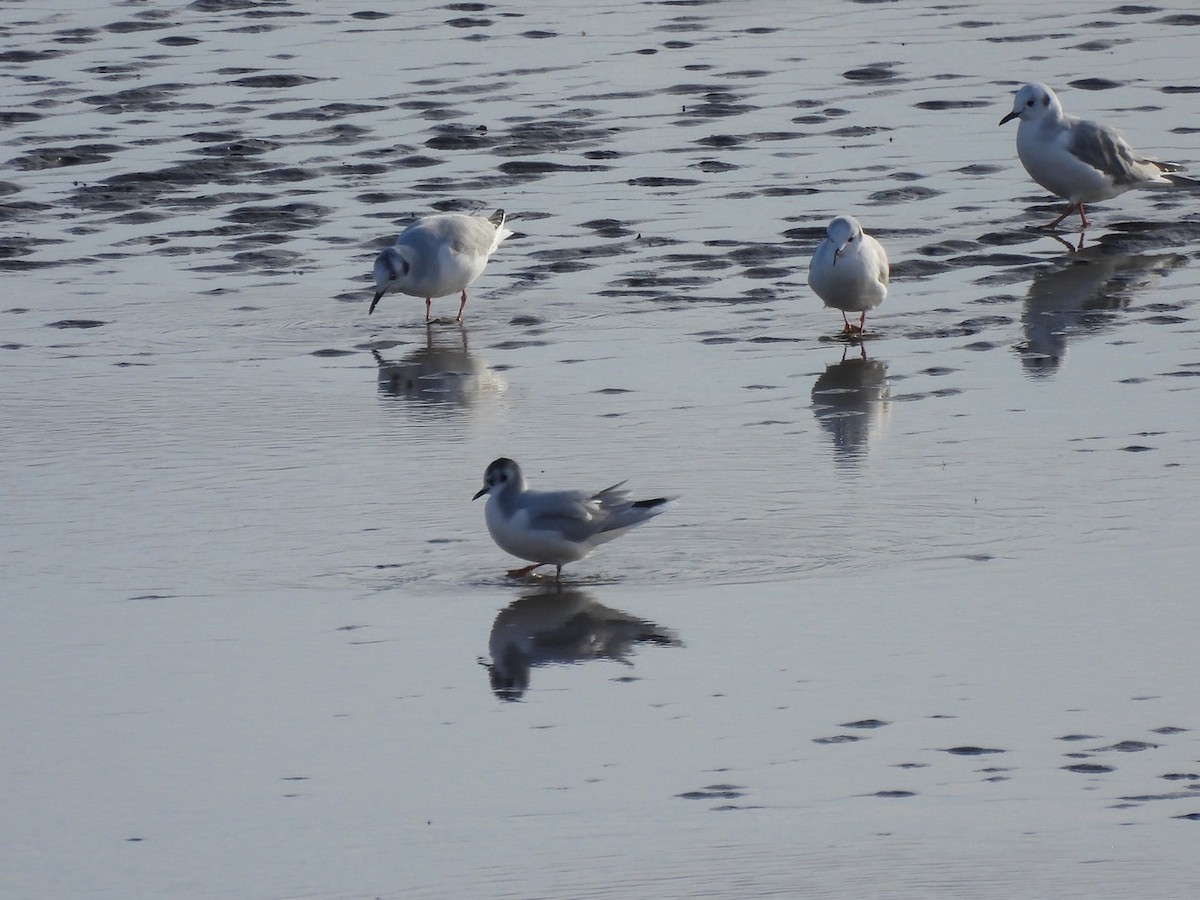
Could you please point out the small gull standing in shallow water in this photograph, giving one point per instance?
(556, 527)
(438, 255)
(1078, 160)
(849, 271)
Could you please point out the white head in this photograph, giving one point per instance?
(392, 268)
(502, 475)
(1033, 102)
(842, 232)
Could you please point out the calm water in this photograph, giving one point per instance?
(923, 622)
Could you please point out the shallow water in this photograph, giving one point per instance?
(922, 622)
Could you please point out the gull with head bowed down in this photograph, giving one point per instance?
(849, 271)
(439, 255)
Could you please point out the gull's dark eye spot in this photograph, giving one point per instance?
(1029, 102)
(404, 268)
(504, 477)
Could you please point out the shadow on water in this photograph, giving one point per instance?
(852, 402)
(1081, 294)
(445, 370)
(561, 627)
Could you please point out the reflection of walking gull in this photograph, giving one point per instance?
(562, 627)
(849, 271)
(1075, 295)
(556, 527)
(851, 400)
(438, 255)
(439, 374)
(1080, 161)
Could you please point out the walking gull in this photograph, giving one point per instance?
(556, 527)
(1078, 160)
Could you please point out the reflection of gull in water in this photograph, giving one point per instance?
(561, 628)
(1077, 295)
(439, 374)
(852, 401)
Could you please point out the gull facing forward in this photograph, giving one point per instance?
(556, 527)
(849, 271)
(1078, 160)
(439, 255)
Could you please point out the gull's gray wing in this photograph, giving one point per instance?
(573, 514)
(884, 269)
(469, 235)
(1104, 149)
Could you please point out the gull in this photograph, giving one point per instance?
(1078, 160)
(556, 527)
(438, 255)
(849, 271)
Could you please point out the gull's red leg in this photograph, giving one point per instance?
(517, 573)
(1070, 209)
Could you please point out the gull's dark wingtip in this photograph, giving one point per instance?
(650, 504)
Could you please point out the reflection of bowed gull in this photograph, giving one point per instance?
(851, 400)
(438, 255)
(561, 627)
(1078, 160)
(849, 271)
(1071, 296)
(556, 527)
(439, 374)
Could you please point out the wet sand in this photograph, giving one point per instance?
(922, 623)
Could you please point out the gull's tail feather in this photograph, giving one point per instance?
(1182, 181)
(611, 495)
(1166, 166)
(1166, 177)
(650, 504)
(626, 517)
(498, 218)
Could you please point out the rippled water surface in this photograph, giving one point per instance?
(923, 621)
